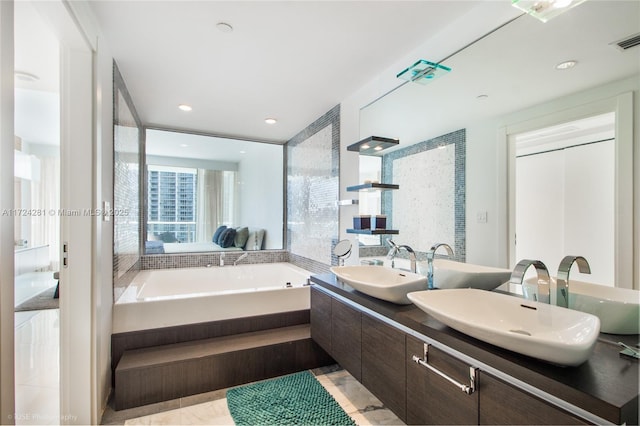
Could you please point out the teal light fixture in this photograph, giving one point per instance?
(422, 72)
(545, 9)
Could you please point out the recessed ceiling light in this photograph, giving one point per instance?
(26, 76)
(223, 27)
(482, 97)
(270, 120)
(566, 65)
(378, 148)
(243, 152)
(185, 107)
(183, 145)
(365, 146)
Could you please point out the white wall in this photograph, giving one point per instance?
(261, 192)
(486, 166)
(7, 382)
(102, 280)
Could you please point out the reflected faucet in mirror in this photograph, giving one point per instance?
(394, 251)
(431, 254)
(562, 282)
(238, 260)
(541, 292)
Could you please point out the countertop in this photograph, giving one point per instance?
(606, 385)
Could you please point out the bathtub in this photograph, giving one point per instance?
(169, 297)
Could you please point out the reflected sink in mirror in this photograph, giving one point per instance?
(381, 282)
(617, 308)
(549, 333)
(451, 274)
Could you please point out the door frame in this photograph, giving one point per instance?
(622, 106)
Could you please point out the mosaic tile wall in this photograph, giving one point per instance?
(127, 155)
(313, 158)
(433, 209)
(194, 260)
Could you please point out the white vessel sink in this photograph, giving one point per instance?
(617, 308)
(451, 274)
(550, 333)
(381, 282)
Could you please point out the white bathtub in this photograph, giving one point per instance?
(168, 297)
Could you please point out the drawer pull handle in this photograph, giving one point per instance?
(468, 389)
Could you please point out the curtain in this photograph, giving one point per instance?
(45, 196)
(210, 203)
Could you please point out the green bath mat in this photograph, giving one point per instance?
(296, 399)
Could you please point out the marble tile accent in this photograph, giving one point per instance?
(313, 158)
(363, 407)
(426, 213)
(360, 404)
(434, 211)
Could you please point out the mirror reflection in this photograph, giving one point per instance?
(206, 193)
(511, 83)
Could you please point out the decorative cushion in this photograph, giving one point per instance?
(227, 238)
(254, 242)
(216, 235)
(242, 235)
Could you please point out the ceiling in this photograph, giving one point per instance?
(513, 69)
(290, 60)
(185, 145)
(294, 60)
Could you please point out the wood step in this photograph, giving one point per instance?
(161, 373)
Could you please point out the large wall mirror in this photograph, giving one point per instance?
(196, 185)
(510, 77)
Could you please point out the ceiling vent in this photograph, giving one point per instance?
(628, 42)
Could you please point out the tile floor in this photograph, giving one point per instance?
(37, 367)
(211, 408)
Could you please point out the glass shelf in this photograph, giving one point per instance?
(373, 145)
(372, 187)
(372, 231)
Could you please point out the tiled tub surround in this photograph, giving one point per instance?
(194, 260)
(429, 207)
(127, 153)
(313, 158)
(172, 297)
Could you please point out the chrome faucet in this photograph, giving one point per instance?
(244, 255)
(222, 259)
(562, 281)
(391, 255)
(542, 291)
(394, 252)
(431, 254)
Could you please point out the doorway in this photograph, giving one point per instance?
(37, 222)
(565, 195)
(622, 107)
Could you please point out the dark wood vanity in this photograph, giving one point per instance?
(376, 342)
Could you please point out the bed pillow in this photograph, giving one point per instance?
(254, 242)
(227, 238)
(242, 235)
(216, 235)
